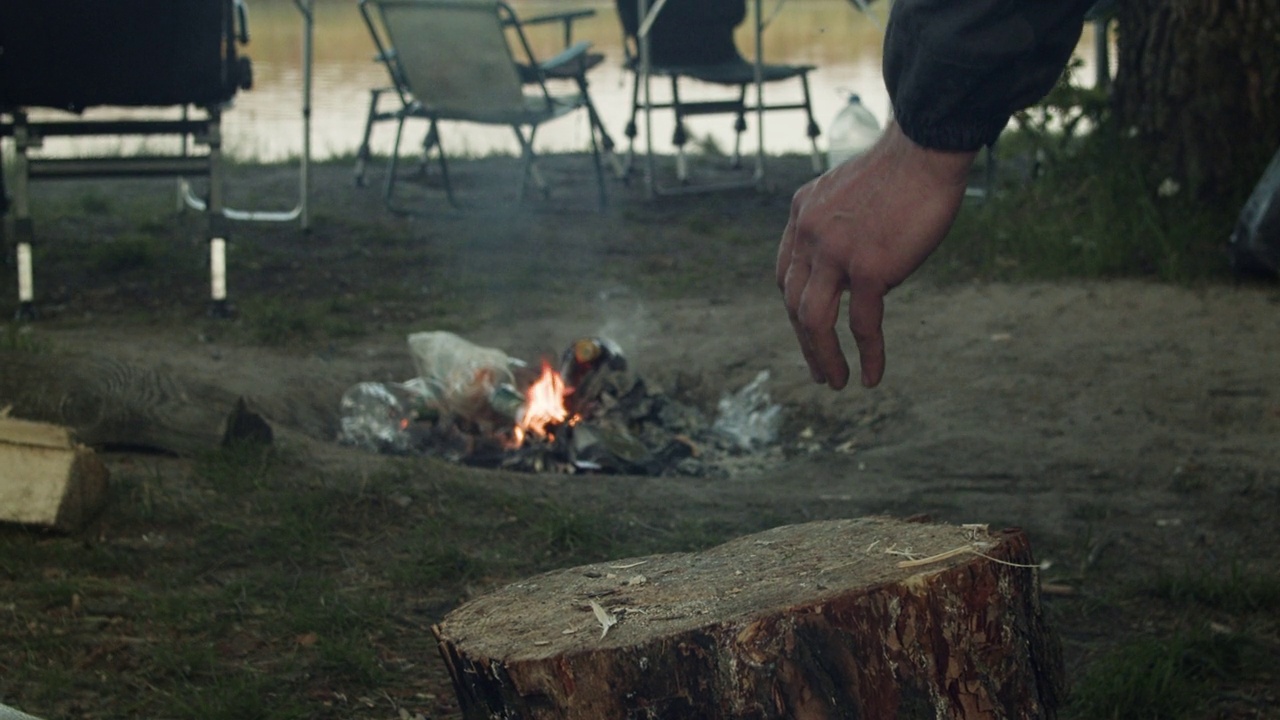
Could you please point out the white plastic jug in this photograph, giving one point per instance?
(853, 130)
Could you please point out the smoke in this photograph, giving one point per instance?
(624, 319)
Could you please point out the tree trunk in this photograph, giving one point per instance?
(110, 403)
(865, 618)
(1199, 80)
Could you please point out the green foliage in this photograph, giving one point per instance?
(1053, 127)
(275, 322)
(1076, 197)
(22, 338)
(125, 254)
(1238, 591)
(1093, 214)
(1157, 679)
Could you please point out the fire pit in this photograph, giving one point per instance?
(588, 412)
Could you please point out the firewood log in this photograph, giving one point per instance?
(106, 402)
(857, 618)
(47, 478)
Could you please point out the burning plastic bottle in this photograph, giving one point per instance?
(585, 359)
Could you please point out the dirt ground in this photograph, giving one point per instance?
(1133, 429)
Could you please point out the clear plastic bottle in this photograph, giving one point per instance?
(381, 416)
(853, 130)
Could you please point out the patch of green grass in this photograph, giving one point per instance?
(22, 338)
(92, 203)
(274, 322)
(140, 495)
(240, 467)
(572, 534)
(241, 694)
(1237, 591)
(1168, 679)
(125, 254)
(1094, 213)
(434, 561)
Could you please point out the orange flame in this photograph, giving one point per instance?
(544, 405)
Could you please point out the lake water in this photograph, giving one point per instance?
(266, 123)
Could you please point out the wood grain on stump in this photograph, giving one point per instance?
(819, 620)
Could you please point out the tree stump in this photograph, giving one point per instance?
(858, 618)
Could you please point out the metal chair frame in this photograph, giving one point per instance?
(739, 74)
(540, 104)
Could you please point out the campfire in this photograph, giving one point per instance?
(590, 412)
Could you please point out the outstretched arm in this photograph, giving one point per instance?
(955, 71)
(862, 228)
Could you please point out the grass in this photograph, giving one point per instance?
(1237, 591)
(237, 586)
(1220, 647)
(1094, 214)
(1165, 679)
(17, 337)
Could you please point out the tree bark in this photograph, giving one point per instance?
(818, 620)
(1199, 80)
(110, 403)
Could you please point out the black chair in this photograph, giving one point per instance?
(67, 58)
(694, 40)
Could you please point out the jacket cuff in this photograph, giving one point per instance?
(967, 135)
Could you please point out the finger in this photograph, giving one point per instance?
(819, 308)
(866, 314)
(785, 249)
(793, 285)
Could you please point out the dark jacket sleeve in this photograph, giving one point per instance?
(957, 70)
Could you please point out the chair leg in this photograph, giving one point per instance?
(679, 137)
(631, 130)
(530, 169)
(433, 139)
(393, 165)
(739, 127)
(364, 154)
(597, 126)
(607, 143)
(815, 155)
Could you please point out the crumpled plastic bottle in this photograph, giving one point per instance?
(383, 417)
(466, 374)
(1254, 248)
(853, 130)
(749, 417)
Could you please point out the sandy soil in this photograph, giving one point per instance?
(1130, 428)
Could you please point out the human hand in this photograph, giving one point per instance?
(863, 227)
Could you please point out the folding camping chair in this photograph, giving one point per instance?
(470, 61)
(694, 40)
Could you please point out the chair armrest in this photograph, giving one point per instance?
(571, 54)
(569, 64)
(567, 17)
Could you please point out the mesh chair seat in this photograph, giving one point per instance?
(732, 73)
(470, 61)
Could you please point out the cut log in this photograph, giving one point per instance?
(47, 478)
(859, 618)
(110, 403)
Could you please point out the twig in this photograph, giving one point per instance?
(606, 619)
(960, 551)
